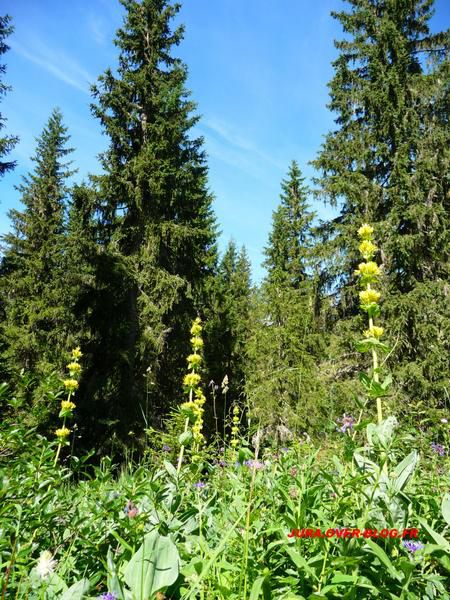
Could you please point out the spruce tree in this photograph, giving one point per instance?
(7, 143)
(386, 163)
(32, 265)
(228, 326)
(156, 201)
(282, 379)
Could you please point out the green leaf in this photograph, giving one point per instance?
(170, 469)
(404, 471)
(437, 537)
(154, 566)
(77, 590)
(185, 438)
(257, 588)
(446, 507)
(371, 344)
(384, 559)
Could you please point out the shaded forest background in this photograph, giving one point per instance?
(121, 264)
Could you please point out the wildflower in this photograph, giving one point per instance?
(166, 448)
(368, 269)
(131, 509)
(196, 328)
(74, 368)
(293, 472)
(412, 546)
(67, 405)
(367, 249)
(254, 464)
(199, 485)
(62, 433)
(194, 360)
(76, 353)
(374, 332)
(444, 420)
(70, 384)
(438, 448)
(108, 596)
(191, 380)
(196, 342)
(293, 493)
(200, 397)
(222, 463)
(46, 564)
(284, 450)
(347, 422)
(368, 297)
(365, 231)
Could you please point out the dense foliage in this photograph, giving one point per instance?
(166, 424)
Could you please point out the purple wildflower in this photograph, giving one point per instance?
(347, 422)
(254, 464)
(108, 596)
(284, 450)
(199, 485)
(438, 448)
(166, 448)
(222, 463)
(412, 546)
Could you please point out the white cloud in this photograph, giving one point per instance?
(245, 146)
(57, 63)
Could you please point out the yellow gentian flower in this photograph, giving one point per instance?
(374, 332)
(369, 297)
(70, 384)
(367, 249)
(62, 433)
(365, 231)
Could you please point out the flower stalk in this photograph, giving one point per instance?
(68, 406)
(368, 272)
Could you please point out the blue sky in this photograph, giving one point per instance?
(258, 70)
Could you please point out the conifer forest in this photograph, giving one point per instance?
(173, 427)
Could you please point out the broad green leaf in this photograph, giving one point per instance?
(384, 559)
(437, 537)
(404, 471)
(113, 581)
(185, 438)
(257, 588)
(446, 507)
(76, 591)
(153, 567)
(170, 469)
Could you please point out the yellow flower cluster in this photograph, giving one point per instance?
(62, 433)
(374, 332)
(76, 353)
(365, 231)
(368, 269)
(194, 360)
(70, 384)
(74, 368)
(235, 429)
(192, 380)
(367, 249)
(368, 297)
(196, 343)
(67, 405)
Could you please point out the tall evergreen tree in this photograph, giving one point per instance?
(32, 265)
(228, 324)
(156, 202)
(386, 163)
(282, 381)
(7, 143)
